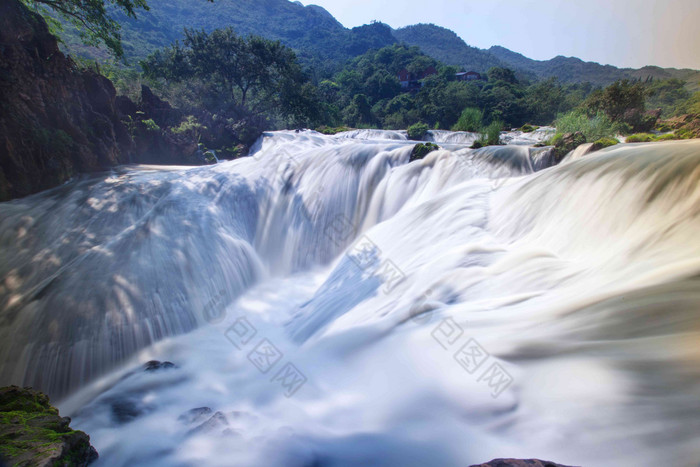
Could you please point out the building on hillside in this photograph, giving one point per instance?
(413, 81)
(468, 76)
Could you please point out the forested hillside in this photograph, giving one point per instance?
(324, 46)
(319, 39)
(446, 46)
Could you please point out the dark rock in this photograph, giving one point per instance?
(519, 463)
(33, 434)
(154, 365)
(58, 120)
(126, 410)
(55, 120)
(157, 109)
(217, 422)
(195, 415)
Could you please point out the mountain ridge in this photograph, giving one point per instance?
(324, 44)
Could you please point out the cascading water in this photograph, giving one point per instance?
(326, 302)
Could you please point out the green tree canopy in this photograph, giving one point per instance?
(248, 75)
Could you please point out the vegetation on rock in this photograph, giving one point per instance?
(33, 434)
(603, 143)
(421, 150)
(417, 131)
(326, 130)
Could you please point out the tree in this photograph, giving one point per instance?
(618, 98)
(502, 74)
(249, 76)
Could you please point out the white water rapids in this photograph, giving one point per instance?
(327, 303)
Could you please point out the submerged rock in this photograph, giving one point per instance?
(195, 415)
(155, 365)
(519, 463)
(216, 422)
(126, 410)
(33, 434)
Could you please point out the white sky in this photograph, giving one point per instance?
(624, 33)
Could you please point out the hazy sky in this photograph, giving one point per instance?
(624, 33)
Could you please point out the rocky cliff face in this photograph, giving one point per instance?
(57, 120)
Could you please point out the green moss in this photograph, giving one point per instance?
(666, 137)
(421, 150)
(604, 143)
(527, 128)
(33, 433)
(326, 130)
(684, 133)
(640, 138)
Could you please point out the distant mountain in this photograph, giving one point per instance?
(324, 44)
(567, 69)
(446, 46)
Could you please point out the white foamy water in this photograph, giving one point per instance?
(330, 303)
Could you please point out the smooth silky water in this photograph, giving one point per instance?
(338, 305)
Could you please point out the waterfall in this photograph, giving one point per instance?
(577, 286)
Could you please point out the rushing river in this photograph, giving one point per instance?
(327, 303)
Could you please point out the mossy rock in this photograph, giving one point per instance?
(33, 434)
(640, 138)
(421, 150)
(603, 143)
(527, 128)
(326, 130)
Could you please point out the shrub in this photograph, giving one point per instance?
(417, 131)
(640, 138)
(190, 126)
(421, 150)
(490, 136)
(593, 128)
(470, 120)
(492, 133)
(150, 125)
